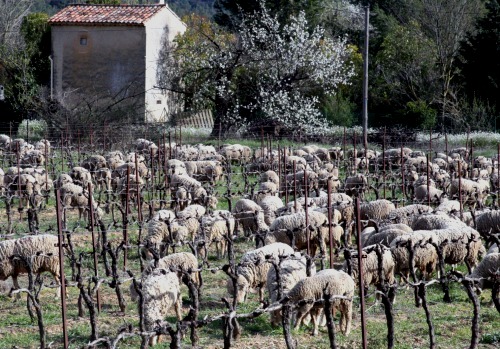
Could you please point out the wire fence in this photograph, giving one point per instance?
(131, 195)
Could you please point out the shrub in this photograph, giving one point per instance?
(32, 130)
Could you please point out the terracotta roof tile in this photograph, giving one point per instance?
(134, 15)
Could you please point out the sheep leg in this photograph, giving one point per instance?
(15, 282)
(178, 308)
(261, 294)
(316, 316)
(301, 313)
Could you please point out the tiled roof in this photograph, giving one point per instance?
(134, 15)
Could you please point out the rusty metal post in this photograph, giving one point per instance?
(428, 181)
(19, 193)
(62, 153)
(104, 135)
(60, 244)
(169, 145)
(498, 173)
(355, 153)
(91, 138)
(467, 141)
(446, 146)
(329, 193)
(152, 184)
(471, 159)
(284, 175)
(262, 142)
(383, 160)
(78, 146)
(344, 142)
(460, 190)
(403, 187)
(360, 274)
(125, 220)
(138, 198)
(295, 184)
(279, 171)
(308, 233)
(94, 252)
(47, 167)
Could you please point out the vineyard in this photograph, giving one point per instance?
(103, 215)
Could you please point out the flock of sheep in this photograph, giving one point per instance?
(288, 233)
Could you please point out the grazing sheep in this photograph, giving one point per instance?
(472, 192)
(192, 211)
(448, 206)
(179, 262)
(488, 222)
(270, 205)
(114, 159)
(435, 221)
(249, 217)
(455, 250)
(33, 158)
(200, 196)
(216, 229)
(161, 292)
(103, 179)
(423, 195)
(386, 234)
(376, 210)
(62, 179)
(29, 188)
(335, 283)
(292, 229)
(94, 162)
(356, 185)
(486, 269)
(182, 198)
(161, 233)
(253, 269)
(270, 176)
(292, 271)
(425, 255)
(81, 176)
(371, 265)
(41, 248)
(408, 214)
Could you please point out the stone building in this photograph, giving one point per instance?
(106, 56)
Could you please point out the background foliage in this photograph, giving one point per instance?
(431, 64)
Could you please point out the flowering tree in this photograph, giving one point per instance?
(266, 70)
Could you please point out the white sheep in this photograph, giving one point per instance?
(216, 229)
(253, 268)
(425, 255)
(377, 209)
(370, 264)
(486, 269)
(43, 251)
(356, 185)
(270, 205)
(161, 233)
(249, 217)
(295, 224)
(335, 283)
(270, 176)
(293, 270)
(161, 292)
(179, 262)
(423, 195)
(408, 214)
(94, 162)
